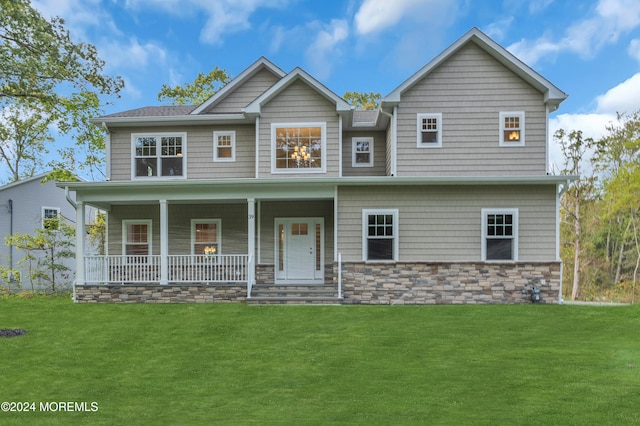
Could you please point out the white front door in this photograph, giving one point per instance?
(299, 249)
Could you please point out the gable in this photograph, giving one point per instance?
(243, 94)
(552, 96)
(299, 99)
(471, 74)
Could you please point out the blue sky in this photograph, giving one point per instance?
(590, 49)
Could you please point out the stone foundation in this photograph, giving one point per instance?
(448, 283)
(154, 293)
(369, 283)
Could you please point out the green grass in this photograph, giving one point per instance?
(238, 364)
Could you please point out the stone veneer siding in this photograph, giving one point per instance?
(448, 283)
(154, 293)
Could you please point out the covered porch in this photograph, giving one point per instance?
(154, 236)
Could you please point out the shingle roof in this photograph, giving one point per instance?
(154, 111)
(365, 116)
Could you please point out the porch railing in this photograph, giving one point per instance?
(181, 269)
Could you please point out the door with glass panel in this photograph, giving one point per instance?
(299, 250)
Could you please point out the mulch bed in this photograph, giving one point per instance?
(12, 332)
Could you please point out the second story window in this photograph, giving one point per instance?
(298, 147)
(159, 155)
(362, 152)
(429, 130)
(224, 146)
(512, 128)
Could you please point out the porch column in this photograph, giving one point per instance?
(81, 232)
(251, 239)
(164, 243)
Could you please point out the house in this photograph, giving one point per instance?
(276, 190)
(24, 207)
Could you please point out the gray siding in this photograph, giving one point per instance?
(28, 198)
(246, 93)
(296, 104)
(232, 216)
(199, 152)
(443, 223)
(470, 89)
(379, 154)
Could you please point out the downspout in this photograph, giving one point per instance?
(392, 118)
(75, 206)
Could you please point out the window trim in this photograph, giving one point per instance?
(128, 222)
(42, 212)
(218, 223)
(521, 116)
(323, 127)
(354, 152)
(515, 237)
(159, 136)
(217, 134)
(419, 117)
(396, 237)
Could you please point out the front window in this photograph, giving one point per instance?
(429, 130)
(224, 148)
(136, 237)
(159, 155)
(298, 147)
(380, 234)
(512, 129)
(362, 152)
(205, 236)
(500, 234)
(50, 217)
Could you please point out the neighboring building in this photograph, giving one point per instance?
(277, 190)
(24, 206)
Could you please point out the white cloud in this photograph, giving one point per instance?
(131, 54)
(78, 15)
(634, 49)
(377, 15)
(322, 53)
(497, 30)
(224, 17)
(625, 97)
(586, 37)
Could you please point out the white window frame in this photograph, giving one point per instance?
(514, 237)
(365, 234)
(42, 215)
(507, 114)
(217, 222)
(323, 127)
(128, 222)
(216, 135)
(158, 156)
(419, 118)
(355, 152)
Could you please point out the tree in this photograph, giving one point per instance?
(202, 88)
(24, 139)
(44, 71)
(54, 241)
(617, 158)
(363, 101)
(574, 149)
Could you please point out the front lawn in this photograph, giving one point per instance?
(239, 364)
